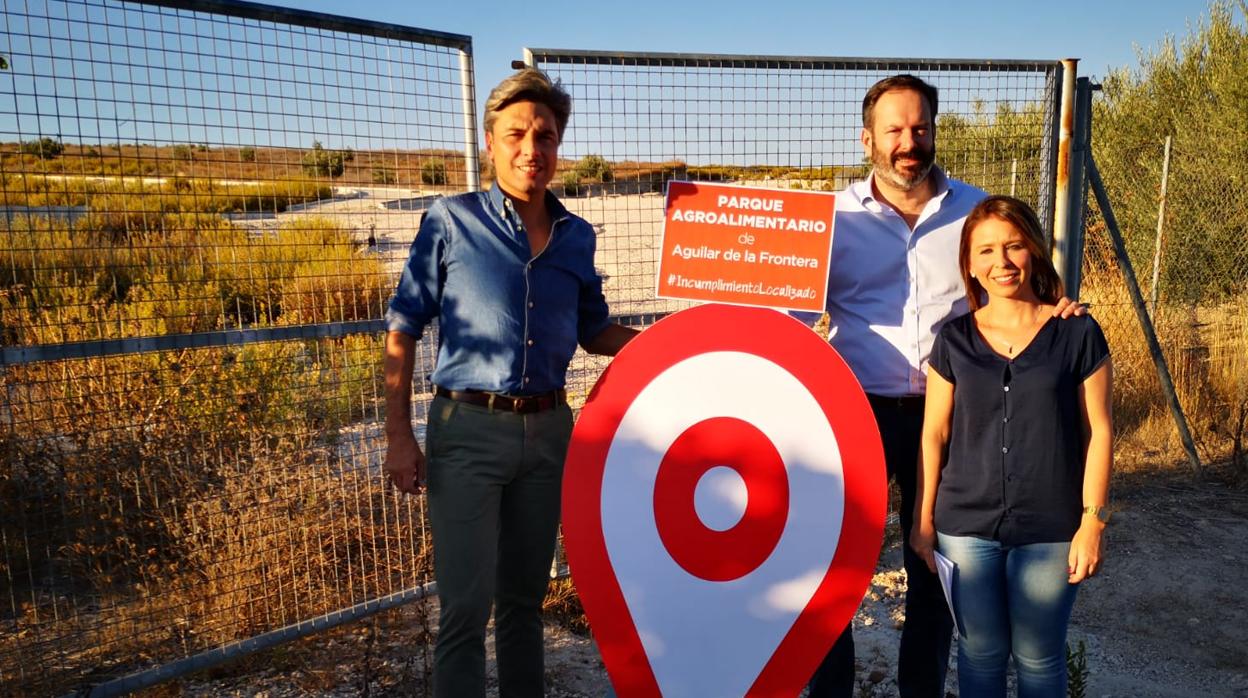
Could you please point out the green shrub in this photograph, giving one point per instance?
(385, 175)
(182, 152)
(247, 154)
(594, 168)
(571, 184)
(433, 172)
(324, 163)
(44, 148)
(1077, 671)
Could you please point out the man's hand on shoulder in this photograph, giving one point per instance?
(1065, 307)
(405, 463)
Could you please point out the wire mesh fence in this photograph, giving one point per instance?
(641, 120)
(1183, 222)
(205, 207)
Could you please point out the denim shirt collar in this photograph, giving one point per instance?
(505, 210)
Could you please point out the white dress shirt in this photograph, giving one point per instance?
(891, 288)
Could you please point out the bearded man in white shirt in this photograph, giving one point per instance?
(893, 281)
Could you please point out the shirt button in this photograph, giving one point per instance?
(1004, 449)
(1007, 388)
(530, 342)
(1005, 419)
(530, 304)
(526, 379)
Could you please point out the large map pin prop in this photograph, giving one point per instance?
(724, 503)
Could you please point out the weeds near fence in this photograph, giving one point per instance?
(563, 605)
(1206, 349)
(205, 494)
(202, 495)
(130, 271)
(1077, 671)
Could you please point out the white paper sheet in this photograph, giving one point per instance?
(944, 570)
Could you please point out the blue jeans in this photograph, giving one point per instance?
(1010, 601)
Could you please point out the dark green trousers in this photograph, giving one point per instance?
(495, 482)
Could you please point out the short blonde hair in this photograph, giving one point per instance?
(529, 85)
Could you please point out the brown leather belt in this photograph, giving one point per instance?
(520, 404)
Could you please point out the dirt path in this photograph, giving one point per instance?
(1169, 615)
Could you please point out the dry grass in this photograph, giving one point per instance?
(266, 541)
(158, 504)
(230, 163)
(1206, 351)
(563, 606)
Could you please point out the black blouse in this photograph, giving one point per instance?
(1014, 471)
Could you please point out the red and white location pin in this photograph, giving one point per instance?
(724, 503)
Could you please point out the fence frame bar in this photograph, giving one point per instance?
(12, 356)
(468, 100)
(233, 650)
(318, 20)
(729, 60)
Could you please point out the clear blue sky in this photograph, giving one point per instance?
(1103, 34)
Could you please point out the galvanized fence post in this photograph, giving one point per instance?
(1062, 216)
(472, 153)
(1081, 150)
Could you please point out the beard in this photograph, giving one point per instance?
(886, 167)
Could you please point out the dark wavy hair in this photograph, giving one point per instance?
(1044, 279)
(903, 81)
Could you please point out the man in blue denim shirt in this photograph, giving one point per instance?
(509, 275)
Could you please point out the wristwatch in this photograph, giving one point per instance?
(1101, 513)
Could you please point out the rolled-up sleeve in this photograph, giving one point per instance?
(417, 299)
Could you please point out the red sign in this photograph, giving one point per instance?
(724, 501)
(745, 245)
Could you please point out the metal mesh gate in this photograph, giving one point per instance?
(205, 205)
(640, 120)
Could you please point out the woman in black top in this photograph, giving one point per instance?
(1016, 452)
